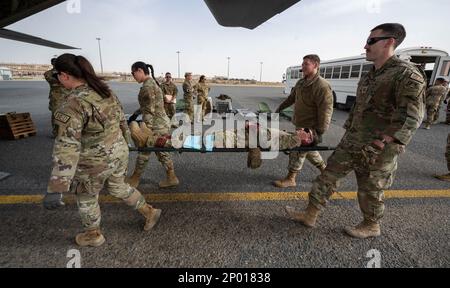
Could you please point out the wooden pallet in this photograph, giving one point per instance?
(15, 126)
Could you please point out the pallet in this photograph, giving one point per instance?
(14, 126)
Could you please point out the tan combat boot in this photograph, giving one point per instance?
(90, 238)
(289, 181)
(170, 181)
(364, 230)
(307, 217)
(445, 177)
(134, 179)
(151, 216)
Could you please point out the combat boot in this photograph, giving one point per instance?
(364, 230)
(151, 216)
(134, 179)
(445, 177)
(307, 217)
(427, 127)
(289, 181)
(90, 238)
(170, 181)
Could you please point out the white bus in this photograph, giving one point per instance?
(5, 73)
(344, 74)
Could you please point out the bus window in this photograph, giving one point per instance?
(345, 72)
(328, 72)
(292, 74)
(355, 71)
(322, 72)
(336, 72)
(365, 69)
(445, 70)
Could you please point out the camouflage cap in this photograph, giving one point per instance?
(187, 74)
(443, 78)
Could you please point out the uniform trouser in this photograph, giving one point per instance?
(372, 179)
(87, 186)
(297, 159)
(170, 109)
(432, 114)
(202, 101)
(447, 153)
(447, 120)
(189, 107)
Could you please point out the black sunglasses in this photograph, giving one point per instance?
(55, 74)
(374, 40)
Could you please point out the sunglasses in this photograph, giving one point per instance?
(55, 74)
(374, 40)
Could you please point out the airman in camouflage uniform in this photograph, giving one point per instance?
(202, 89)
(151, 104)
(434, 97)
(389, 109)
(313, 100)
(56, 96)
(91, 153)
(170, 92)
(446, 177)
(188, 96)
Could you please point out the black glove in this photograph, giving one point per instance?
(445, 101)
(133, 118)
(53, 201)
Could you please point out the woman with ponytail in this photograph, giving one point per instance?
(90, 151)
(151, 106)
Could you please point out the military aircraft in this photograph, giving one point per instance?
(231, 13)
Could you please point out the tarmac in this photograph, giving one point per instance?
(222, 214)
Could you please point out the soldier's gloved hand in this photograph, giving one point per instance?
(445, 101)
(53, 201)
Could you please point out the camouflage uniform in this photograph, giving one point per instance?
(389, 101)
(434, 97)
(202, 91)
(151, 104)
(90, 153)
(447, 153)
(172, 90)
(188, 96)
(56, 96)
(313, 101)
(447, 119)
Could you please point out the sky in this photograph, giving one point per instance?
(154, 30)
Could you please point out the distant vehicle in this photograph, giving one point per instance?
(344, 74)
(5, 73)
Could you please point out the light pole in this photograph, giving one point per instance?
(100, 52)
(228, 71)
(260, 72)
(178, 52)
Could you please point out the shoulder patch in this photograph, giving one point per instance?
(416, 77)
(61, 117)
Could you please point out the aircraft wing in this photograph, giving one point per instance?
(246, 13)
(12, 35)
(12, 11)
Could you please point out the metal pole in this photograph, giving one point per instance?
(100, 52)
(260, 72)
(228, 73)
(178, 52)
